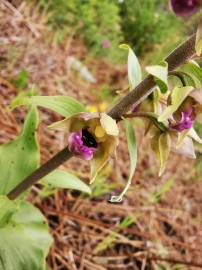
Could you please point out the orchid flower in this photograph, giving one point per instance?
(180, 115)
(91, 136)
(184, 108)
(185, 122)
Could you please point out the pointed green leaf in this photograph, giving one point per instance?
(157, 195)
(134, 69)
(63, 179)
(178, 95)
(20, 157)
(24, 239)
(160, 73)
(132, 148)
(63, 105)
(21, 79)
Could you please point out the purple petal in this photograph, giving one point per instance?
(185, 122)
(77, 147)
(184, 8)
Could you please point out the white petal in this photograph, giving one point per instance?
(109, 124)
(186, 148)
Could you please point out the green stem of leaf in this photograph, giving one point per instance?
(151, 116)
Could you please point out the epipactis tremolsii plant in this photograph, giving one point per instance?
(173, 107)
(170, 114)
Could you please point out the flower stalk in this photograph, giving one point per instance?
(179, 56)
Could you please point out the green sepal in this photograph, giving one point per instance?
(134, 69)
(160, 73)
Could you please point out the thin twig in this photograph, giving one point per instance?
(180, 55)
(155, 258)
(174, 261)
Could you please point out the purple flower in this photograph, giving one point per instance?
(185, 122)
(105, 44)
(82, 144)
(184, 8)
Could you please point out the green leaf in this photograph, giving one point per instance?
(157, 195)
(113, 236)
(178, 95)
(198, 43)
(63, 105)
(160, 73)
(134, 69)
(24, 239)
(21, 80)
(7, 208)
(132, 148)
(63, 179)
(20, 157)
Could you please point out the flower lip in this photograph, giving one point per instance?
(186, 122)
(88, 139)
(77, 145)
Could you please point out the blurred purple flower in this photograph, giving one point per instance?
(184, 8)
(81, 146)
(105, 44)
(185, 122)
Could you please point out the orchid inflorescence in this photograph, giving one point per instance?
(169, 114)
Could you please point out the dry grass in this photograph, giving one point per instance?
(171, 227)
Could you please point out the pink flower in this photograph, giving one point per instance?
(105, 44)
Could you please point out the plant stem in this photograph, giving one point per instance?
(180, 55)
(42, 171)
(152, 116)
